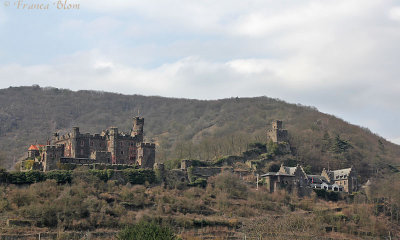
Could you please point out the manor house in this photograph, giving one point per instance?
(108, 147)
(290, 178)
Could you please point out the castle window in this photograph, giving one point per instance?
(81, 151)
(82, 143)
(122, 152)
(91, 143)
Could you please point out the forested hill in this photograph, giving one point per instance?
(184, 128)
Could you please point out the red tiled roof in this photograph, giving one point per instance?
(33, 147)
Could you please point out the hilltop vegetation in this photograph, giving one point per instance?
(194, 129)
(227, 206)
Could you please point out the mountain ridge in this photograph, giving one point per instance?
(187, 128)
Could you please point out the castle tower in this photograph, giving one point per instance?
(33, 151)
(74, 141)
(113, 144)
(137, 129)
(277, 133)
(146, 155)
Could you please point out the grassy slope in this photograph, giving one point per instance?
(29, 114)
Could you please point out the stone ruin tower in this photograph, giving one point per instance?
(277, 134)
(137, 128)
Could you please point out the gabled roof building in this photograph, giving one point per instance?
(346, 178)
(289, 178)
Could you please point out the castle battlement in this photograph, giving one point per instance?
(148, 145)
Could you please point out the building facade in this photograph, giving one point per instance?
(346, 178)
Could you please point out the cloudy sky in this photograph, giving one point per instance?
(340, 56)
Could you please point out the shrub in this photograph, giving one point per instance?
(61, 176)
(29, 164)
(146, 231)
(4, 175)
(101, 174)
(199, 182)
(272, 148)
(17, 177)
(327, 195)
(274, 167)
(231, 184)
(140, 176)
(258, 145)
(34, 176)
(172, 164)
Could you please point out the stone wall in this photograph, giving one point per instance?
(101, 157)
(176, 178)
(206, 172)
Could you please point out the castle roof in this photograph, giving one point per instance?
(35, 147)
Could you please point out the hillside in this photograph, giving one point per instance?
(184, 128)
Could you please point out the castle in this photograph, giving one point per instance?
(109, 147)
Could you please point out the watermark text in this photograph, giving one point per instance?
(42, 4)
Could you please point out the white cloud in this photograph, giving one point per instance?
(308, 15)
(395, 140)
(394, 13)
(189, 77)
